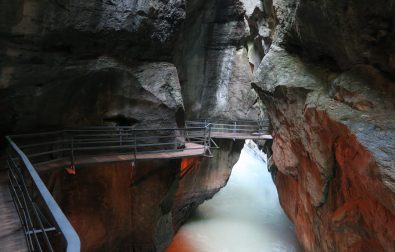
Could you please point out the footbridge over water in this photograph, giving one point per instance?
(234, 130)
(45, 227)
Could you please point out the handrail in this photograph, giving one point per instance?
(225, 124)
(98, 129)
(235, 129)
(62, 224)
(238, 124)
(45, 147)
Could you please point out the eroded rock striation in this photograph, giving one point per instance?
(328, 84)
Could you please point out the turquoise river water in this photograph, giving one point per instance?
(245, 216)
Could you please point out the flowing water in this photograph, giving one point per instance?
(244, 216)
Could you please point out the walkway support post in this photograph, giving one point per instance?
(207, 139)
(204, 135)
(135, 148)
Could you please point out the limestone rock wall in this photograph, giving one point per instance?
(67, 63)
(71, 51)
(92, 92)
(328, 84)
(213, 61)
(71, 63)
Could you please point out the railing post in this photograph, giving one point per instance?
(72, 166)
(204, 136)
(120, 139)
(135, 148)
(234, 127)
(209, 136)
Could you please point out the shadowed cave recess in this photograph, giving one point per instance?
(322, 73)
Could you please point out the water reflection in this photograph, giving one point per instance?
(244, 216)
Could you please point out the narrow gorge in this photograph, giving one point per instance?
(319, 73)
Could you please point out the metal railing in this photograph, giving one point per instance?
(52, 146)
(45, 225)
(236, 128)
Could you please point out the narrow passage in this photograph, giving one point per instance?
(245, 216)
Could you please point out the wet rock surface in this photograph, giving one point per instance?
(213, 62)
(328, 86)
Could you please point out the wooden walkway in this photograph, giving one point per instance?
(12, 238)
(191, 150)
(242, 136)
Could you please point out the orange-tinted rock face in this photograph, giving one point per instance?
(333, 191)
(117, 207)
(331, 187)
(333, 151)
(355, 216)
(366, 199)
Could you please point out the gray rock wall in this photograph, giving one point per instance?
(212, 59)
(48, 46)
(73, 63)
(68, 63)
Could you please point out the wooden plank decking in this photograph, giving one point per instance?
(12, 238)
